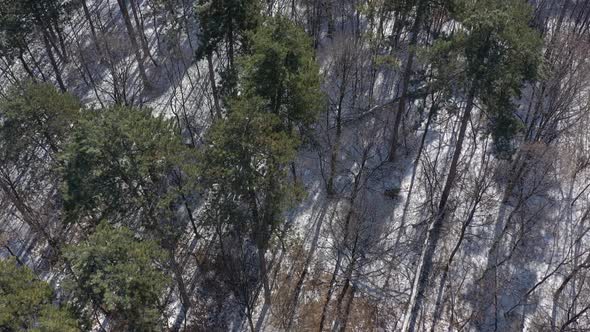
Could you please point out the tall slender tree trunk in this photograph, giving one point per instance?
(85, 71)
(51, 37)
(339, 253)
(433, 234)
(29, 216)
(414, 171)
(261, 237)
(140, 32)
(25, 65)
(230, 46)
(214, 91)
(489, 275)
(402, 227)
(337, 140)
(311, 253)
(557, 294)
(345, 288)
(330, 291)
(184, 297)
(36, 63)
(329, 11)
(62, 41)
(266, 290)
(439, 305)
(88, 17)
(53, 63)
(348, 307)
(133, 39)
(420, 11)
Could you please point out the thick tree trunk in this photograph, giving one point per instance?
(434, 231)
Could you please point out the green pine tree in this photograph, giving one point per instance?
(246, 160)
(491, 57)
(35, 116)
(225, 22)
(116, 166)
(15, 31)
(487, 61)
(281, 70)
(250, 149)
(35, 123)
(119, 275)
(26, 303)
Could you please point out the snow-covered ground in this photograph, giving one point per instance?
(531, 211)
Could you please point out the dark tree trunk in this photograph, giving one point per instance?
(433, 234)
(140, 32)
(133, 40)
(420, 11)
(36, 63)
(25, 66)
(213, 85)
(53, 63)
(88, 17)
